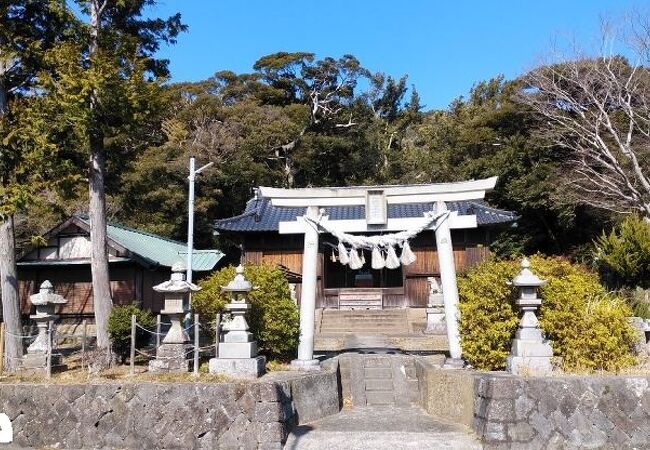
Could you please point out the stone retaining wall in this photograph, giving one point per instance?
(539, 413)
(168, 415)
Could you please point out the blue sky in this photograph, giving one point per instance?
(444, 47)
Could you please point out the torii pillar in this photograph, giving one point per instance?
(445, 250)
(306, 359)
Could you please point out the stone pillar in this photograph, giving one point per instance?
(308, 295)
(447, 265)
(531, 354)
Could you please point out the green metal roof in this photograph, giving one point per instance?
(159, 250)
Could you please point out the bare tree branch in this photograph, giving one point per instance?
(599, 109)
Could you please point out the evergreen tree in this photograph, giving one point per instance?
(103, 89)
(27, 30)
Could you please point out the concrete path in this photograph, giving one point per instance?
(378, 428)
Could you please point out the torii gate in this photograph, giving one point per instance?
(376, 200)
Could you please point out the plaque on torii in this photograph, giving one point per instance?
(376, 200)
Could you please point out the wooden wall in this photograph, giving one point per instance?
(129, 283)
(469, 249)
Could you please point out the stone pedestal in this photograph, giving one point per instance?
(171, 358)
(306, 365)
(530, 354)
(172, 355)
(435, 309)
(37, 363)
(249, 368)
(436, 323)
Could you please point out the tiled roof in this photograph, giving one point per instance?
(261, 215)
(159, 250)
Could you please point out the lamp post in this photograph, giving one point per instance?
(238, 351)
(171, 355)
(531, 354)
(45, 301)
(190, 212)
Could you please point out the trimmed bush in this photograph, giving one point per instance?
(119, 328)
(624, 253)
(274, 318)
(587, 326)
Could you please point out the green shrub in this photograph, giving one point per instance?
(274, 318)
(488, 317)
(119, 328)
(587, 327)
(625, 253)
(639, 301)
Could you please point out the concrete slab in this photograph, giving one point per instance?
(381, 428)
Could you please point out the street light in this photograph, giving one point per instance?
(190, 212)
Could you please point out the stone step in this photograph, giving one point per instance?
(360, 326)
(362, 322)
(362, 316)
(355, 313)
(385, 384)
(375, 398)
(376, 312)
(381, 428)
(377, 373)
(376, 362)
(363, 329)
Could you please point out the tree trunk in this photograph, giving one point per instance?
(3, 92)
(8, 272)
(9, 288)
(103, 302)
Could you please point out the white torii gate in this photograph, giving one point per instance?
(376, 200)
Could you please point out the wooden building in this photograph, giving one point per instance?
(137, 262)
(338, 286)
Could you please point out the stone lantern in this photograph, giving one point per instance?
(171, 356)
(531, 354)
(435, 309)
(44, 301)
(238, 351)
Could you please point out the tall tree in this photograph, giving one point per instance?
(598, 108)
(325, 86)
(103, 89)
(28, 29)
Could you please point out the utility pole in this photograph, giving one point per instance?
(190, 220)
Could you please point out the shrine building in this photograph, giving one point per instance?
(369, 247)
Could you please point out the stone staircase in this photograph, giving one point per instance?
(378, 379)
(384, 321)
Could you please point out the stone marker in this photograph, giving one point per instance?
(238, 351)
(172, 354)
(435, 309)
(531, 354)
(44, 301)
